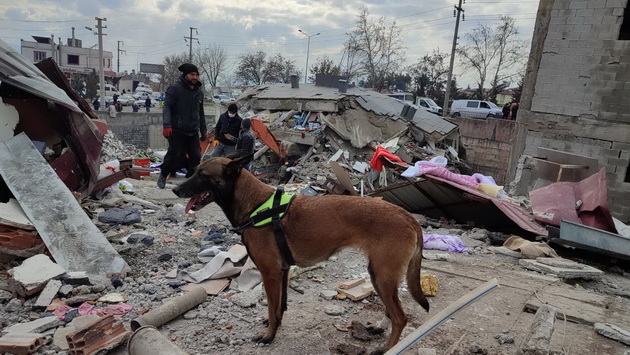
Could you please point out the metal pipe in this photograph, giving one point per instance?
(148, 340)
(171, 310)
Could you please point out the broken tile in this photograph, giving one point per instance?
(47, 295)
(36, 326)
(30, 277)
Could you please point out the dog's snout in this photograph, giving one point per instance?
(176, 190)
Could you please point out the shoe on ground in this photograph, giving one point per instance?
(161, 183)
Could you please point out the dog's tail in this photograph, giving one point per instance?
(413, 271)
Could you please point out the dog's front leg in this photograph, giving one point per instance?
(272, 281)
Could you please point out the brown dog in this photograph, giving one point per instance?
(315, 228)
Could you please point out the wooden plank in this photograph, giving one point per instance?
(580, 312)
(212, 287)
(350, 284)
(358, 292)
(343, 177)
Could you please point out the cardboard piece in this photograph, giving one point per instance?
(212, 287)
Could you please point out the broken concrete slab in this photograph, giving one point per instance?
(74, 241)
(31, 277)
(613, 332)
(13, 215)
(538, 340)
(36, 326)
(567, 270)
(48, 294)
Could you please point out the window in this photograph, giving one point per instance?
(473, 104)
(423, 104)
(624, 31)
(73, 59)
(39, 56)
(484, 105)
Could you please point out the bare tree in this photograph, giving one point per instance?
(492, 54)
(251, 68)
(212, 62)
(378, 47)
(430, 75)
(171, 63)
(254, 68)
(323, 65)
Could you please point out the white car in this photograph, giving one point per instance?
(126, 100)
(220, 99)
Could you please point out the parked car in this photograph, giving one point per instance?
(429, 105)
(126, 100)
(108, 100)
(475, 109)
(142, 97)
(220, 99)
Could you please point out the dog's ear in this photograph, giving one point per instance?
(234, 167)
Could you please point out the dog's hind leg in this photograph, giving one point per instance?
(386, 274)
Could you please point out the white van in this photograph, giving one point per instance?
(429, 105)
(475, 109)
(110, 90)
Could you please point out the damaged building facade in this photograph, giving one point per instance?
(575, 111)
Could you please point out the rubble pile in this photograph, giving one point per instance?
(114, 149)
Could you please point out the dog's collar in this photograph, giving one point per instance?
(274, 208)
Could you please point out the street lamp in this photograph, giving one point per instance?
(308, 49)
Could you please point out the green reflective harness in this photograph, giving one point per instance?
(272, 211)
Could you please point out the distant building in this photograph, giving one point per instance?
(72, 58)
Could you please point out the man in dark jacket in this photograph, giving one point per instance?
(183, 121)
(226, 132)
(246, 140)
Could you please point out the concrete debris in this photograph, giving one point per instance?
(60, 340)
(120, 216)
(334, 310)
(47, 295)
(246, 299)
(613, 332)
(102, 334)
(36, 326)
(31, 277)
(538, 340)
(564, 269)
(20, 344)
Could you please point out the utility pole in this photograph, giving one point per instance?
(119, 51)
(308, 49)
(189, 40)
(458, 10)
(101, 73)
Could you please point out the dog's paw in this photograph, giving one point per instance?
(262, 338)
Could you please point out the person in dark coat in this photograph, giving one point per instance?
(115, 98)
(147, 103)
(246, 141)
(514, 109)
(183, 122)
(226, 132)
(506, 111)
(96, 104)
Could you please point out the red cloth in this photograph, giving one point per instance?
(377, 163)
(166, 132)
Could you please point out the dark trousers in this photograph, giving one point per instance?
(180, 145)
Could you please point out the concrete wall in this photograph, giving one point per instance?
(141, 129)
(580, 83)
(488, 144)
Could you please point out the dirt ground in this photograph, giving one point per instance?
(495, 324)
(221, 327)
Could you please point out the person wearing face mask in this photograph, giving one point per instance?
(183, 123)
(226, 132)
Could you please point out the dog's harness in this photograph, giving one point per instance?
(272, 211)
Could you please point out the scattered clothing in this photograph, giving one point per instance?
(443, 242)
(377, 163)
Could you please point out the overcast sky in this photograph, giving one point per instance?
(151, 29)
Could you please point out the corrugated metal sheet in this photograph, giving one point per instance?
(19, 72)
(439, 198)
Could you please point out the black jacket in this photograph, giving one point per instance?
(183, 108)
(225, 124)
(245, 144)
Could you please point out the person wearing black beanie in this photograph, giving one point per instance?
(183, 123)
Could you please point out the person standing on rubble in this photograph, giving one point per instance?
(246, 140)
(183, 121)
(226, 132)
